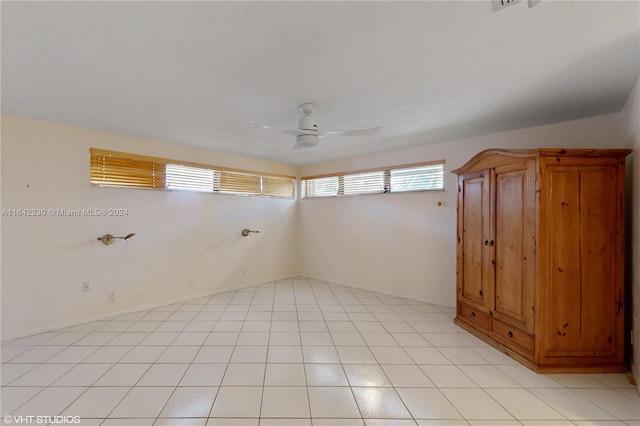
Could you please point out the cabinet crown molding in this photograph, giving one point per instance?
(477, 162)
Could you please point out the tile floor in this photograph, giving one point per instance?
(294, 352)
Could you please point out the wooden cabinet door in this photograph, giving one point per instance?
(474, 259)
(584, 301)
(514, 232)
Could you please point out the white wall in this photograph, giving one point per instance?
(631, 138)
(179, 235)
(404, 244)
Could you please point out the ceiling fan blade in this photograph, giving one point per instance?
(360, 132)
(292, 132)
(296, 132)
(264, 126)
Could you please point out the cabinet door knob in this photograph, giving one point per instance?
(491, 243)
(510, 334)
(486, 242)
(472, 314)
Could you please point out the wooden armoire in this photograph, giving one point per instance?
(540, 262)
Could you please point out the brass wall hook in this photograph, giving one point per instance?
(108, 239)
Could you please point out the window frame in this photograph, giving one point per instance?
(387, 179)
(145, 172)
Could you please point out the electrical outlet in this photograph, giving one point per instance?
(85, 286)
(192, 282)
(112, 296)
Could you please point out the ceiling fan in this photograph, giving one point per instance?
(308, 134)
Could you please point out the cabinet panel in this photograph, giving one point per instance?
(582, 212)
(511, 224)
(472, 232)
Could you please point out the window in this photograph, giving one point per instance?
(411, 177)
(118, 169)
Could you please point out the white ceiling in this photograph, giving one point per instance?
(194, 73)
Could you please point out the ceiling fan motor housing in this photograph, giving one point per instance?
(307, 124)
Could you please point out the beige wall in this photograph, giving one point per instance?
(631, 138)
(179, 235)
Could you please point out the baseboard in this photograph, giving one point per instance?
(110, 315)
(382, 291)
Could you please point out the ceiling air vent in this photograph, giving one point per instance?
(501, 4)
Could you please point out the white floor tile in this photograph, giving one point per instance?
(42, 375)
(366, 375)
(285, 354)
(325, 375)
(409, 376)
(488, 376)
(190, 402)
(355, 355)
(523, 405)
(321, 354)
(190, 339)
(448, 376)
(476, 404)
(108, 354)
(96, 402)
(214, 354)
(380, 403)
(284, 338)
(427, 355)
(347, 339)
(82, 375)
(204, 375)
(249, 354)
(285, 375)
(143, 354)
(10, 372)
(37, 355)
(244, 375)
(123, 375)
(237, 401)
(178, 354)
(50, 402)
(13, 397)
(428, 403)
(391, 355)
(622, 407)
(143, 402)
(333, 402)
(285, 402)
(527, 378)
(571, 405)
(163, 375)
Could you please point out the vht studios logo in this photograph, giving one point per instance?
(47, 420)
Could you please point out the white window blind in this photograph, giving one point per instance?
(118, 169)
(407, 178)
(363, 183)
(422, 178)
(190, 178)
(320, 187)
